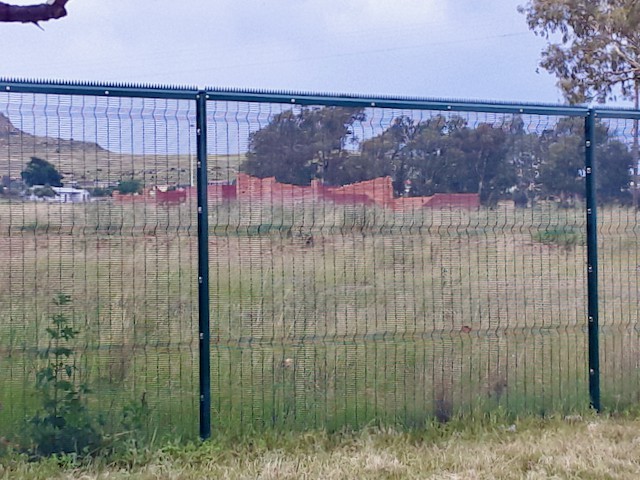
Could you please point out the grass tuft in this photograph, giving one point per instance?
(567, 237)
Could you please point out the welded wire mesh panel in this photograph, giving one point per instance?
(115, 231)
(619, 262)
(378, 265)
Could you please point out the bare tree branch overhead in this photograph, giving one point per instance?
(41, 12)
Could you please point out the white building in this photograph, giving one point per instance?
(62, 195)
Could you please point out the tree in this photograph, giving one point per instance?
(421, 157)
(524, 155)
(488, 170)
(561, 170)
(598, 52)
(391, 153)
(599, 46)
(52, 9)
(296, 148)
(439, 155)
(615, 163)
(41, 172)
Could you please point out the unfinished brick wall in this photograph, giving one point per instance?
(171, 197)
(255, 189)
(378, 191)
(154, 195)
(252, 190)
(408, 204)
(216, 193)
(133, 198)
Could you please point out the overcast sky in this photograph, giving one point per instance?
(473, 49)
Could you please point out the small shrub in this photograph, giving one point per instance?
(565, 237)
(100, 192)
(63, 425)
(135, 420)
(42, 192)
(129, 187)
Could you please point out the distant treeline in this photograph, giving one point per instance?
(440, 154)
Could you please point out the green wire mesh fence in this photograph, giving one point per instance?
(396, 280)
(619, 252)
(352, 261)
(128, 261)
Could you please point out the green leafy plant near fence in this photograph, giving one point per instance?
(63, 424)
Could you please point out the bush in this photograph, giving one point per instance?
(127, 187)
(566, 237)
(45, 191)
(64, 424)
(100, 192)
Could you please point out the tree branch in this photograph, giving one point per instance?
(50, 10)
(618, 47)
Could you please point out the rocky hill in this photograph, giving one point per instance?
(85, 162)
(77, 160)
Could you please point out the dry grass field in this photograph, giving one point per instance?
(322, 316)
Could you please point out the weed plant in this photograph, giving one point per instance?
(63, 424)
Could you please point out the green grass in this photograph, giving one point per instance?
(490, 446)
(322, 317)
(564, 236)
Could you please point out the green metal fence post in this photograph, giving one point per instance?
(203, 267)
(592, 260)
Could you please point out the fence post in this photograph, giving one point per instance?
(592, 260)
(203, 267)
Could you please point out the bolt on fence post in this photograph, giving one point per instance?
(592, 260)
(203, 267)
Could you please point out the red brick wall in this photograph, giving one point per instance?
(378, 191)
(171, 196)
(408, 204)
(250, 188)
(217, 193)
(130, 198)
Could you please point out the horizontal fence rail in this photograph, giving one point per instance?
(238, 260)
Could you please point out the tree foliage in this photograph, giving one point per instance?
(613, 174)
(525, 154)
(561, 173)
(485, 154)
(129, 187)
(296, 147)
(43, 192)
(562, 169)
(441, 154)
(41, 172)
(594, 51)
(438, 155)
(594, 46)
